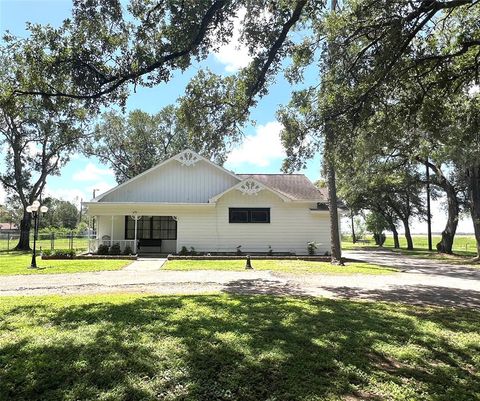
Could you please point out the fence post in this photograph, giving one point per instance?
(71, 240)
(52, 241)
(8, 241)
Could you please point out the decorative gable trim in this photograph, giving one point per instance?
(250, 186)
(187, 158)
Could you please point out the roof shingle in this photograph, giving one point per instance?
(294, 186)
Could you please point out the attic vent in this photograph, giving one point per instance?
(250, 188)
(187, 158)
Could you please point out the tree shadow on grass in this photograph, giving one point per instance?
(414, 295)
(230, 348)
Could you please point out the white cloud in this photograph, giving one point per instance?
(259, 149)
(76, 194)
(234, 55)
(92, 173)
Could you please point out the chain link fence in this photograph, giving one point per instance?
(52, 241)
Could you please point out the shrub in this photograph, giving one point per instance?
(64, 253)
(115, 249)
(379, 238)
(102, 249)
(311, 248)
(239, 250)
(127, 250)
(192, 251)
(183, 251)
(270, 250)
(47, 252)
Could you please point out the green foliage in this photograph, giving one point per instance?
(133, 143)
(103, 249)
(61, 214)
(377, 224)
(183, 251)
(127, 250)
(312, 248)
(115, 249)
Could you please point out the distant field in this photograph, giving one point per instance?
(462, 245)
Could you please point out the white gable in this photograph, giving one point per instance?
(174, 181)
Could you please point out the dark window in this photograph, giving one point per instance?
(249, 215)
(151, 227)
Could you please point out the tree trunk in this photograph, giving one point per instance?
(396, 242)
(408, 235)
(24, 240)
(446, 243)
(354, 238)
(336, 249)
(474, 192)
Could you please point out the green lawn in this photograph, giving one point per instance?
(18, 263)
(248, 348)
(284, 266)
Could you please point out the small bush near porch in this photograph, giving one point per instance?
(285, 266)
(18, 263)
(248, 348)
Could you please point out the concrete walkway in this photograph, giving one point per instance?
(422, 281)
(146, 264)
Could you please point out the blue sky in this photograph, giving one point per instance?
(261, 151)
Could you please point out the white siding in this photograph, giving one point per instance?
(291, 227)
(175, 183)
(206, 228)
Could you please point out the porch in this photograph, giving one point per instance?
(143, 235)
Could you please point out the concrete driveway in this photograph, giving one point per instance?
(420, 281)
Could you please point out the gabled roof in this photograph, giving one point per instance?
(176, 157)
(259, 186)
(295, 186)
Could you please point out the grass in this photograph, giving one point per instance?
(220, 347)
(284, 266)
(19, 262)
(464, 247)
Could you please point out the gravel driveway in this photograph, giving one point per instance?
(419, 282)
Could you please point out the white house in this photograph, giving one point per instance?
(188, 201)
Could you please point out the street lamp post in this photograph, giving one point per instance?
(35, 210)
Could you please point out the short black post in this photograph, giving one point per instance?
(52, 241)
(248, 265)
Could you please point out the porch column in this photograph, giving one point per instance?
(135, 217)
(89, 233)
(111, 236)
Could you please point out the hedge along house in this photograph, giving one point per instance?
(188, 201)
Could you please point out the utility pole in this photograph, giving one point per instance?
(93, 219)
(429, 216)
(81, 207)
